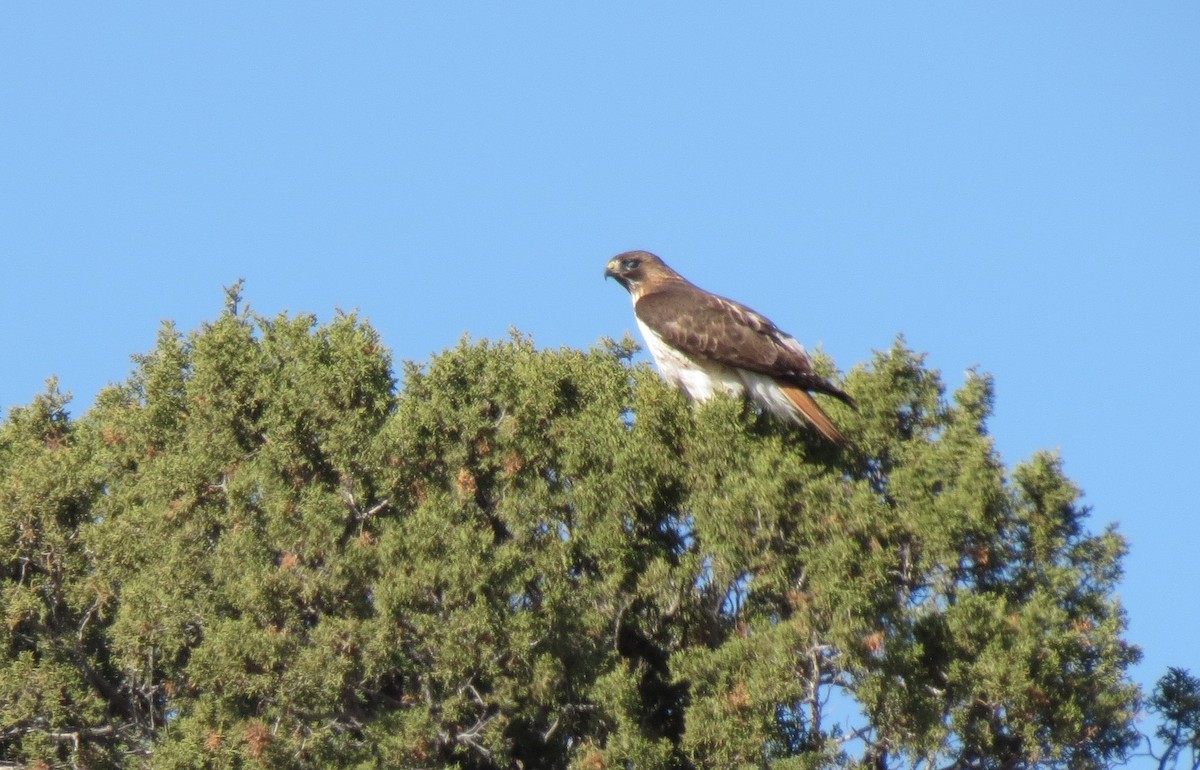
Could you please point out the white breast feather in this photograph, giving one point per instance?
(701, 379)
(765, 391)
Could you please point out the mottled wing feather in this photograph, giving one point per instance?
(702, 324)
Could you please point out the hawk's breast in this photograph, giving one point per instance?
(698, 377)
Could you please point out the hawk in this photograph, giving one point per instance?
(703, 343)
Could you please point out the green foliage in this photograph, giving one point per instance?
(256, 552)
(1176, 701)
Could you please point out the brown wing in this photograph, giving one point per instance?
(703, 324)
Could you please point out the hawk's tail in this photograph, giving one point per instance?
(813, 413)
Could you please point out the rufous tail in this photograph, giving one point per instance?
(814, 414)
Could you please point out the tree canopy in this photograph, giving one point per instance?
(261, 551)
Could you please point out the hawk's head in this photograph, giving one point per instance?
(636, 269)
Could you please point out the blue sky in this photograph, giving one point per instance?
(1012, 186)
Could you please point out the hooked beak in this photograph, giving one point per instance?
(610, 271)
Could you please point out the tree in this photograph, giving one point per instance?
(1176, 700)
(258, 552)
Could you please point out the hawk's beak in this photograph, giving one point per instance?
(610, 271)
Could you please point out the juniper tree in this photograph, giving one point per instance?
(1176, 701)
(259, 552)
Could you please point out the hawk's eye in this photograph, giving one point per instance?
(630, 264)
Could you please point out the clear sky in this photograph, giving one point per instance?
(1013, 186)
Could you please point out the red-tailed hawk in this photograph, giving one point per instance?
(703, 343)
